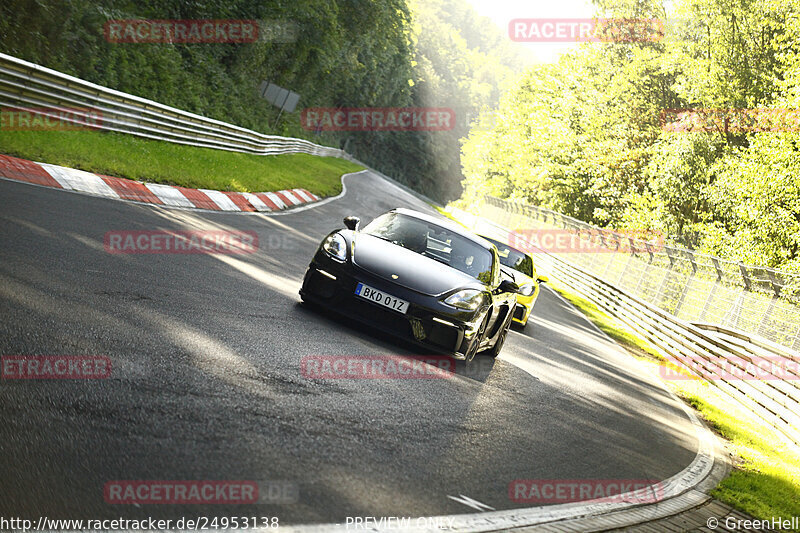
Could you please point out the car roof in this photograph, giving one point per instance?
(446, 224)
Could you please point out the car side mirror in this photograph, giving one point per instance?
(351, 223)
(508, 286)
(542, 279)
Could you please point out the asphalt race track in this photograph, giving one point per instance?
(206, 381)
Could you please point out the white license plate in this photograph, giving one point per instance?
(380, 297)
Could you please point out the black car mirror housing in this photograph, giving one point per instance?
(508, 286)
(351, 223)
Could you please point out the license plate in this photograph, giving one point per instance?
(380, 297)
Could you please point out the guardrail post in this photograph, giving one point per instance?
(776, 286)
(602, 234)
(667, 250)
(717, 268)
(692, 262)
(649, 250)
(633, 245)
(745, 275)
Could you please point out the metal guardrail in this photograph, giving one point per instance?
(752, 277)
(692, 287)
(27, 85)
(692, 347)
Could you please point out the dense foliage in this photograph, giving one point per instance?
(586, 137)
(347, 53)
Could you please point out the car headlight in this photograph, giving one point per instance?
(335, 246)
(526, 289)
(469, 299)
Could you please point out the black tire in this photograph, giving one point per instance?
(473, 348)
(495, 350)
(471, 351)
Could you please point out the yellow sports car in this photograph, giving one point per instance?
(520, 267)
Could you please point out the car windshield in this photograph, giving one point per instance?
(513, 258)
(435, 242)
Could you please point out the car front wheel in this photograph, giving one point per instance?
(476, 342)
(494, 351)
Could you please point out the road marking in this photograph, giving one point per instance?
(469, 502)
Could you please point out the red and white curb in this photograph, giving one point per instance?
(71, 179)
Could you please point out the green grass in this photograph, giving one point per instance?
(765, 480)
(127, 156)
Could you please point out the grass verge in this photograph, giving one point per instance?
(765, 480)
(127, 156)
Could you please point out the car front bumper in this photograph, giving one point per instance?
(427, 322)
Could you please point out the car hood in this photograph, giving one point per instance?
(413, 271)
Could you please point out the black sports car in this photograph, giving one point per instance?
(416, 276)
